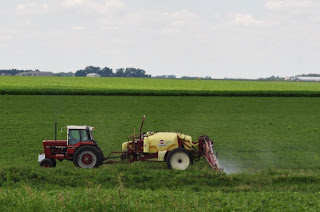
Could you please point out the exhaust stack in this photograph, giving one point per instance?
(55, 130)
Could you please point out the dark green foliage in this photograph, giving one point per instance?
(12, 72)
(131, 72)
(107, 72)
(64, 74)
(308, 75)
(166, 76)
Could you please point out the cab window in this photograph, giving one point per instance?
(74, 137)
(77, 135)
(84, 135)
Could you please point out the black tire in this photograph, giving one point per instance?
(87, 157)
(101, 155)
(179, 159)
(48, 163)
(54, 162)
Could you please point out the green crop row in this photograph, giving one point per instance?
(153, 87)
(154, 177)
(95, 199)
(130, 189)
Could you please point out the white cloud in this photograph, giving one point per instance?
(78, 28)
(110, 27)
(177, 21)
(97, 6)
(6, 37)
(183, 14)
(287, 4)
(315, 18)
(245, 20)
(32, 7)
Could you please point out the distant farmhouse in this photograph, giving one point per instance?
(307, 79)
(93, 75)
(35, 74)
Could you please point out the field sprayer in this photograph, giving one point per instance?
(176, 149)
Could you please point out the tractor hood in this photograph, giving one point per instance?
(55, 143)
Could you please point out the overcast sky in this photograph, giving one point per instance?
(230, 38)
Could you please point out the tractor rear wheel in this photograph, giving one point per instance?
(179, 159)
(101, 155)
(48, 163)
(87, 157)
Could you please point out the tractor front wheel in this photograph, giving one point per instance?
(179, 159)
(48, 163)
(87, 157)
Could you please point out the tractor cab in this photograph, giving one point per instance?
(79, 133)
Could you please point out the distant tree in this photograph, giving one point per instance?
(161, 76)
(308, 75)
(133, 72)
(81, 73)
(187, 77)
(12, 72)
(272, 78)
(106, 72)
(87, 70)
(92, 69)
(166, 76)
(120, 72)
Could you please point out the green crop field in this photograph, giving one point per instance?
(153, 87)
(269, 147)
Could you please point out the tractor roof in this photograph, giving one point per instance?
(75, 127)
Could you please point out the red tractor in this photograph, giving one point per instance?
(79, 147)
(178, 150)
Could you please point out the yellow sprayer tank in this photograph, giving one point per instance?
(155, 142)
(162, 141)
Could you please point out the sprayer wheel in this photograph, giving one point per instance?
(87, 157)
(179, 159)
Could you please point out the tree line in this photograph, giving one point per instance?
(103, 72)
(108, 72)
(130, 72)
(13, 71)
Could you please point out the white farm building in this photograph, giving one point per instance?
(309, 79)
(35, 74)
(93, 75)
